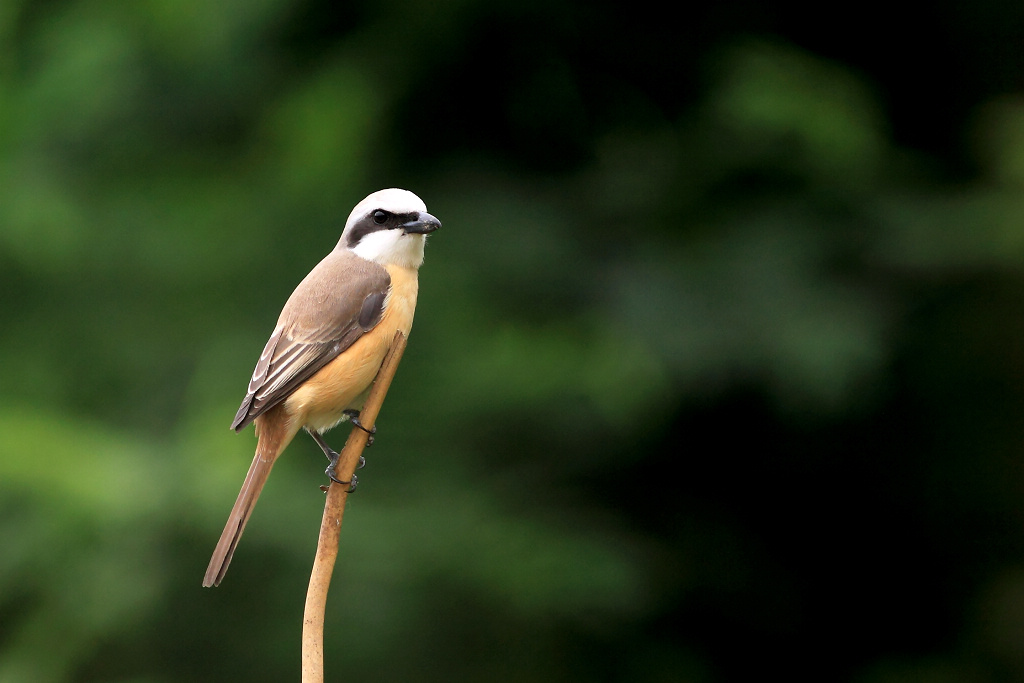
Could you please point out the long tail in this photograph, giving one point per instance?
(272, 440)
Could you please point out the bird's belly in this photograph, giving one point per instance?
(344, 383)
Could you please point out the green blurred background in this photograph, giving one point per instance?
(717, 369)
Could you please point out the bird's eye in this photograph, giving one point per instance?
(380, 217)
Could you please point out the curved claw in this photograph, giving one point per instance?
(371, 431)
(332, 474)
(353, 417)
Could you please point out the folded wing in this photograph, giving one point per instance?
(343, 297)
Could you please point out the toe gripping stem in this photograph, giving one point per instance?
(332, 456)
(353, 417)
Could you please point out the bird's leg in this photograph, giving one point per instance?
(332, 455)
(353, 417)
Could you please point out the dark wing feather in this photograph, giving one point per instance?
(340, 299)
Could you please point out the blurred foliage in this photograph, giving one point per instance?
(716, 371)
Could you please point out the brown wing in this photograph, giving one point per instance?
(340, 299)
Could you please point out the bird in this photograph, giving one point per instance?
(329, 342)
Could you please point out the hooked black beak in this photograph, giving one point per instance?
(423, 224)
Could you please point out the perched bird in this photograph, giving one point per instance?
(330, 341)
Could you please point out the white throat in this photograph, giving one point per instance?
(392, 248)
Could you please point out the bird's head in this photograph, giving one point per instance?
(389, 227)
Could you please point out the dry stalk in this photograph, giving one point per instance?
(330, 526)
